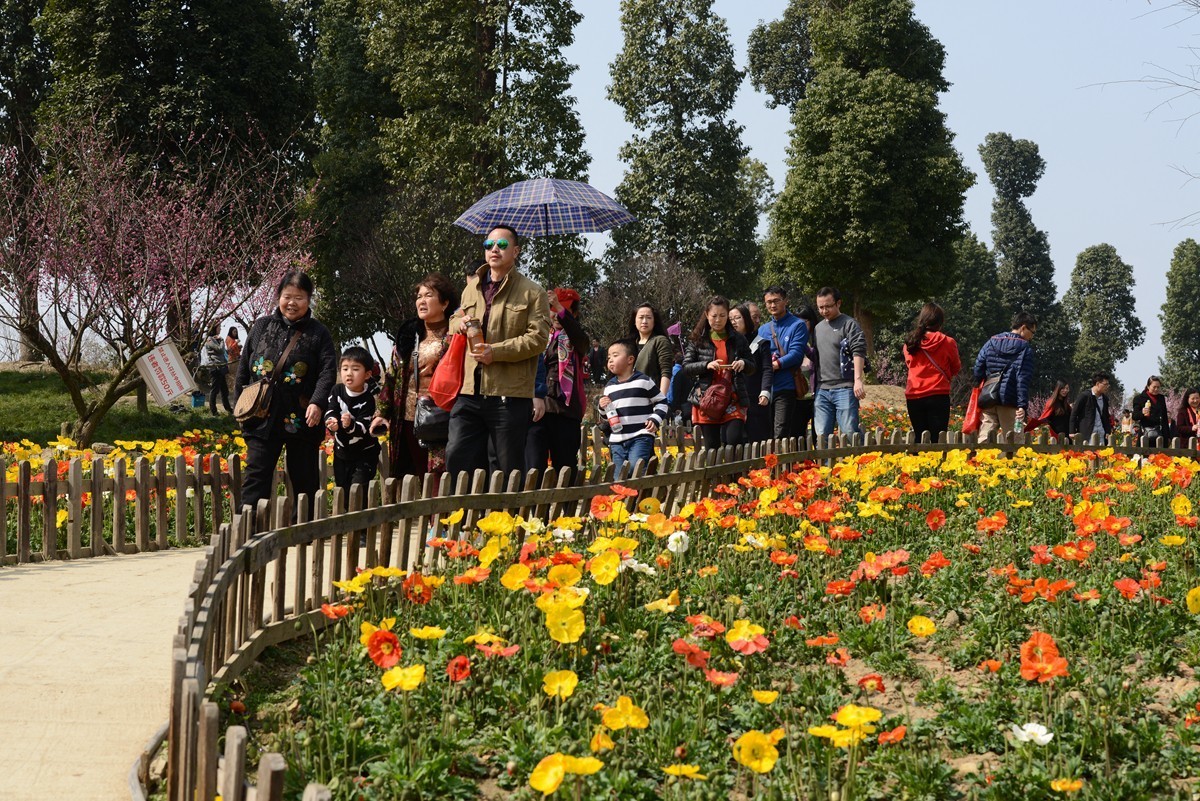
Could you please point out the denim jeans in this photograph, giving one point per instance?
(640, 448)
(840, 402)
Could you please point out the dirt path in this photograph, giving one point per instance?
(85, 653)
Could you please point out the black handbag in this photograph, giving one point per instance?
(989, 393)
(431, 423)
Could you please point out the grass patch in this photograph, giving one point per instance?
(34, 405)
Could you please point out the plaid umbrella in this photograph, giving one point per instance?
(545, 206)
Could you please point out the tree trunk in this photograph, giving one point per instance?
(143, 404)
(867, 321)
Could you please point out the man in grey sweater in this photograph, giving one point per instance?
(841, 358)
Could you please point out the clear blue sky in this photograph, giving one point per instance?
(1063, 73)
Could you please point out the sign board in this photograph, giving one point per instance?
(165, 373)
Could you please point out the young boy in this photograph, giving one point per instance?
(349, 412)
(634, 406)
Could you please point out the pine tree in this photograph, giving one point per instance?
(1026, 271)
(1100, 301)
(875, 189)
(686, 182)
(1180, 317)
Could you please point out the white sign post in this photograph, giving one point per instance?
(165, 374)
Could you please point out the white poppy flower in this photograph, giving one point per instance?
(1032, 733)
(677, 543)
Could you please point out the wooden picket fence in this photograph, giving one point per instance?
(259, 585)
(139, 515)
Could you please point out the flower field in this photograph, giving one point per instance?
(891, 626)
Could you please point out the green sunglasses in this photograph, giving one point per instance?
(488, 244)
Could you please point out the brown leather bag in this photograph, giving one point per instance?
(255, 401)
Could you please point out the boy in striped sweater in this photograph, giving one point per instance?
(634, 406)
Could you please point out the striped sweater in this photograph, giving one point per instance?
(636, 400)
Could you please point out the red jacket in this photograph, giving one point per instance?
(924, 379)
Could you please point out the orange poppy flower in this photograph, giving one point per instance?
(496, 649)
(1091, 595)
(384, 648)
(793, 622)
(822, 511)
(936, 561)
(416, 590)
(840, 587)
(1128, 588)
(824, 639)
(720, 679)
(770, 460)
(838, 658)
(990, 665)
(893, 736)
(872, 612)
(783, 558)
(935, 519)
(473, 576)
(623, 491)
(602, 506)
(1040, 659)
(335, 611)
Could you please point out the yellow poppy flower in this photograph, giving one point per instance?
(605, 567)
(755, 751)
(625, 714)
(564, 575)
(921, 626)
(601, 741)
(1066, 785)
(665, 605)
(404, 679)
(1172, 540)
(1181, 506)
(366, 629)
(581, 766)
(455, 517)
(1193, 600)
(501, 523)
(483, 637)
(565, 625)
(514, 578)
(765, 697)
(548, 774)
(428, 633)
(684, 772)
(560, 683)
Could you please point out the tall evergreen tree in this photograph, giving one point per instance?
(875, 189)
(780, 56)
(1100, 301)
(435, 103)
(1026, 271)
(1180, 317)
(676, 81)
(24, 84)
(972, 313)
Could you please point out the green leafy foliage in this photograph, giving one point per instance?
(689, 183)
(1180, 316)
(1026, 271)
(875, 188)
(1100, 302)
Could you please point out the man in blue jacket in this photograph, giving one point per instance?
(1009, 359)
(787, 335)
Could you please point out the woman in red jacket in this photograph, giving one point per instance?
(932, 359)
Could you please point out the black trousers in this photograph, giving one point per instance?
(714, 435)
(488, 433)
(554, 438)
(219, 384)
(303, 466)
(355, 468)
(785, 409)
(930, 414)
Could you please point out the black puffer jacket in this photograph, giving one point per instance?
(699, 354)
(307, 376)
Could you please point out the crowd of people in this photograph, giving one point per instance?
(525, 357)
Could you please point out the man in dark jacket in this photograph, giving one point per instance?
(1008, 358)
(1092, 413)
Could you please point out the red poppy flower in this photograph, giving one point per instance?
(872, 683)
(783, 558)
(936, 561)
(1128, 588)
(458, 668)
(602, 506)
(705, 627)
(459, 549)
(770, 460)
(935, 519)
(793, 622)
(384, 648)
(893, 736)
(696, 656)
(840, 587)
(623, 491)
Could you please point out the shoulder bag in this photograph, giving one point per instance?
(798, 376)
(431, 423)
(255, 401)
(447, 378)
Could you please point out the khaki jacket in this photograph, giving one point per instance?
(518, 330)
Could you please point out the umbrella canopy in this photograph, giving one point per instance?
(544, 207)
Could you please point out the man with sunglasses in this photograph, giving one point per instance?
(490, 419)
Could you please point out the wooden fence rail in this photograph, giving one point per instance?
(262, 582)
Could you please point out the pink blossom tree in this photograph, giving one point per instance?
(134, 256)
